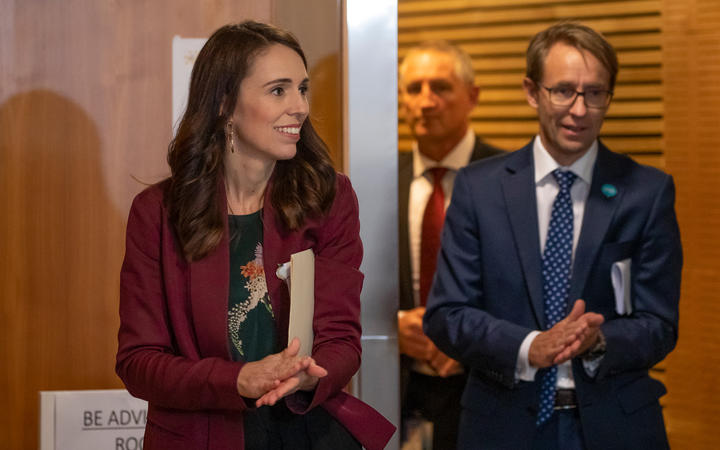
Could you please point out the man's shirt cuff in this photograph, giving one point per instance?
(523, 370)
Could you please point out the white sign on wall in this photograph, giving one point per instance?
(184, 53)
(91, 420)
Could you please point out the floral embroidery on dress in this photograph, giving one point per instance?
(256, 286)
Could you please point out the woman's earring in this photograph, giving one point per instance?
(229, 134)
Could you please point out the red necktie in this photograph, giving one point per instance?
(432, 223)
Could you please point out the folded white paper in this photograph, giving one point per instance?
(299, 273)
(620, 276)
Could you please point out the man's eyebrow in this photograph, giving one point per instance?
(588, 85)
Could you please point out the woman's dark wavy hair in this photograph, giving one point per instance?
(303, 187)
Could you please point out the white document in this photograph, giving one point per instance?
(620, 276)
(299, 274)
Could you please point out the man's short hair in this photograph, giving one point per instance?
(575, 35)
(463, 62)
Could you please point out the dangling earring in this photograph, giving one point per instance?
(229, 134)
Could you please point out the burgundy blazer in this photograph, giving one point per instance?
(173, 346)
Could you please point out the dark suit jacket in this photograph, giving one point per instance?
(487, 296)
(405, 177)
(173, 345)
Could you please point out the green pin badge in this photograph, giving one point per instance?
(609, 190)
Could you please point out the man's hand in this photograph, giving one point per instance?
(444, 365)
(568, 338)
(415, 344)
(411, 339)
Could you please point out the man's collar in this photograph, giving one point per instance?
(545, 164)
(456, 159)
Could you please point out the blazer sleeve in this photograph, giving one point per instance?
(338, 282)
(455, 319)
(645, 337)
(148, 359)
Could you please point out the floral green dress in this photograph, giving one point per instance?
(251, 323)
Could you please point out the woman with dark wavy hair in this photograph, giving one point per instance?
(203, 314)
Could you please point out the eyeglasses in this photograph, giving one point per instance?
(565, 96)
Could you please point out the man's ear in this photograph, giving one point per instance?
(531, 92)
(474, 93)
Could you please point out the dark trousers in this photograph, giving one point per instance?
(562, 432)
(436, 400)
(277, 428)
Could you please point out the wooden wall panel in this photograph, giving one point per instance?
(496, 33)
(691, 76)
(85, 112)
(320, 34)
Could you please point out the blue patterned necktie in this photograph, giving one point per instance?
(556, 263)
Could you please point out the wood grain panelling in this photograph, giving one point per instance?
(85, 110)
(691, 76)
(496, 32)
(320, 34)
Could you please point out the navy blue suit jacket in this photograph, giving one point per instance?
(487, 296)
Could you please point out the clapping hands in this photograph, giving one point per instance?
(570, 337)
(279, 375)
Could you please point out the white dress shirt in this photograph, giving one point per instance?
(546, 189)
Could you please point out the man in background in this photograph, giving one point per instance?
(559, 274)
(437, 95)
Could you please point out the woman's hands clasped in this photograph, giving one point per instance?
(279, 375)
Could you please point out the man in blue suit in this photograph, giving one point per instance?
(558, 277)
